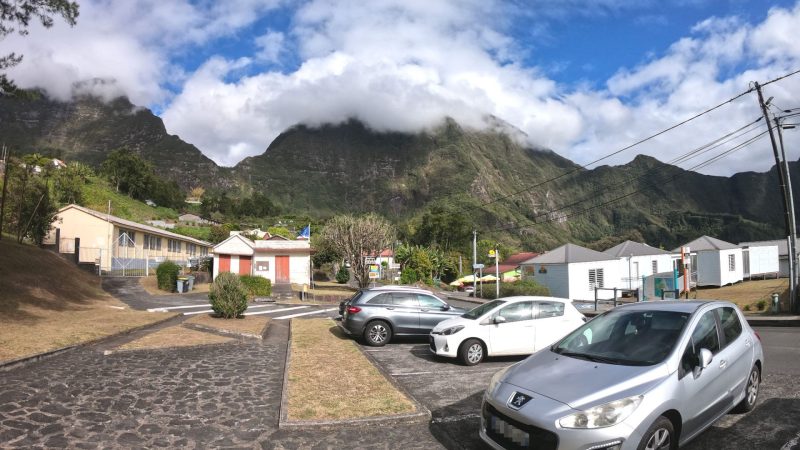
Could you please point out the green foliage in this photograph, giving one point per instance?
(257, 286)
(343, 275)
(281, 231)
(761, 305)
(202, 233)
(29, 209)
(409, 276)
(228, 296)
(69, 183)
(523, 287)
(443, 228)
(219, 233)
(358, 236)
(219, 204)
(167, 275)
(134, 176)
(97, 193)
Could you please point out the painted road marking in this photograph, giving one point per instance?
(306, 314)
(165, 309)
(275, 311)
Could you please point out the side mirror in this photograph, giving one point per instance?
(445, 307)
(499, 320)
(705, 357)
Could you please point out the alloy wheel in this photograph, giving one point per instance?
(475, 353)
(752, 387)
(377, 333)
(660, 439)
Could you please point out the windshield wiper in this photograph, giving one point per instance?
(593, 358)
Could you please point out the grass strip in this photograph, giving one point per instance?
(330, 379)
(248, 325)
(175, 336)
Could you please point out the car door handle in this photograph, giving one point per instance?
(424, 310)
(747, 343)
(723, 364)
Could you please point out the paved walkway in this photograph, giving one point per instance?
(223, 396)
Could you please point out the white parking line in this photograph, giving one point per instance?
(198, 312)
(275, 310)
(306, 314)
(168, 308)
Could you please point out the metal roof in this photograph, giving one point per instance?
(569, 253)
(631, 248)
(708, 243)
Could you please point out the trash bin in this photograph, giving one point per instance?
(190, 280)
(181, 285)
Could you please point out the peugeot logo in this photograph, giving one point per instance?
(518, 400)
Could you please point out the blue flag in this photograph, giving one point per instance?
(305, 233)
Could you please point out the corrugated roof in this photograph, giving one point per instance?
(704, 243)
(631, 248)
(136, 225)
(783, 246)
(569, 253)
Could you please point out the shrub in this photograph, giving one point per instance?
(408, 276)
(167, 275)
(525, 287)
(257, 286)
(761, 305)
(343, 275)
(228, 296)
(747, 307)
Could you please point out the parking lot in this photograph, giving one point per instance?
(453, 394)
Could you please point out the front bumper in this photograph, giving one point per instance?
(442, 345)
(535, 426)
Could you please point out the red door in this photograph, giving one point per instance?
(245, 263)
(224, 263)
(281, 269)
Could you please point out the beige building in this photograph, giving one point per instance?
(119, 246)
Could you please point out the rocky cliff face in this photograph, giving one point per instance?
(87, 129)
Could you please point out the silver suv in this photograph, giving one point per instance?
(377, 314)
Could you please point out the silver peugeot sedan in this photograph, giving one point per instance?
(649, 375)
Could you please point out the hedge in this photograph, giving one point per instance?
(167, 275)
(257, 286)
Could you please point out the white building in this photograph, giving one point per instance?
(572, 271)
(760, 258)
(278, 259)
(640, 260)
(716, 262)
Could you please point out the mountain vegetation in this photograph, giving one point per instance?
(435, 186)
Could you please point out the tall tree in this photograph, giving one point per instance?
(16, 16)
(357, 237)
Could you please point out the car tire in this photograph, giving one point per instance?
(471, 352)
(660, 436)
(750, 392)
(377, 333)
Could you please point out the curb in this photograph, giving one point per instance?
(26, 360)
(422, 414)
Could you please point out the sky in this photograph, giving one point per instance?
(582, 78)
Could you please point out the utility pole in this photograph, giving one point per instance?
(496, 273)
(6, 169)
(793, 305)
(786, 207)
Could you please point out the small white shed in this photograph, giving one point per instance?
(783, 254)
(573, 272)
(278, 259)
(716, 262)
(640, 260)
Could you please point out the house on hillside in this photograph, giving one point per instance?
(572, 271)
(765, 258)
(641, 260)
(194, 219)
(278, 259)
(121, 246)
(715, 262)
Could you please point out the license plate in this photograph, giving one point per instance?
(510, 432)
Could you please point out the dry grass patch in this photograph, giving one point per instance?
(150, 284)
(175, 336)
(247, 325)
(47, 303)
(748, 292)
(330, 379)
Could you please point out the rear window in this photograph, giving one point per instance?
(381, 299)
(549, 309)
(405, 299)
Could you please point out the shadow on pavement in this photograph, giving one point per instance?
(456, 425)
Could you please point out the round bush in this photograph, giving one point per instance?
(167, 275)
(228, 296)
(343, 275)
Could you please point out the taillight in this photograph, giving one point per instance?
(353, 309)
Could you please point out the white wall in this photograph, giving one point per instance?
(299, 269)
(728, 276)
(645, 262)
(579, 288)
(268, 274)
(763, 260)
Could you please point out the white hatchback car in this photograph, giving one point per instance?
(506, 326)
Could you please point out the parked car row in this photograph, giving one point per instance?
(649, 375)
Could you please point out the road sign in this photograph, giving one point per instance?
(374, 271)
(478, 266)
(492, 253)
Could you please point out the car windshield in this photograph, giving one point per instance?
(627, 337)
(481, 310)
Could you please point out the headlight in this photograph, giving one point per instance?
(452, 330)
(604, 415)
(495, 381)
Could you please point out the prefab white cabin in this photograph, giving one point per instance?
(573, 272)
(760, 254)
(640, 260)
(716, 262)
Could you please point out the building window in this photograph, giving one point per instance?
(655, 266)
(203, 251)
(731, 263)
(126, 238)
(174, 246)
(152, 242)
(191, 249)
(595, 278)
(262, 266)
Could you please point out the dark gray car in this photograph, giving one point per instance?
(377, 314)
